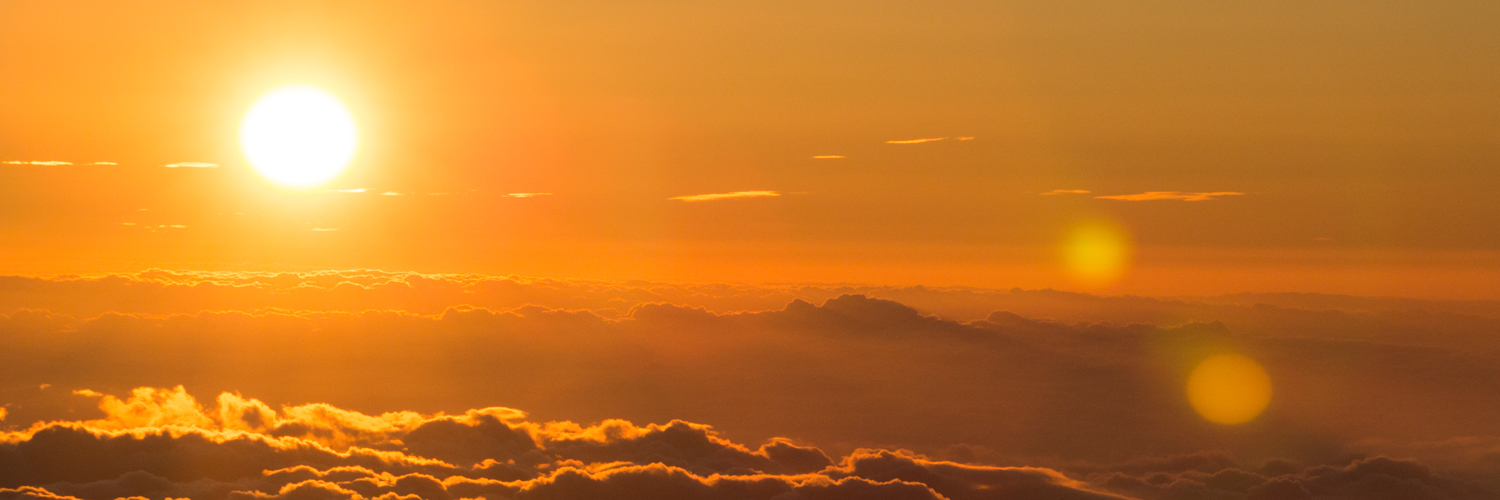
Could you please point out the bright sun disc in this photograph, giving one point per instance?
(298, 136)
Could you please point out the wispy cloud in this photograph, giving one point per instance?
(964, 138)
(726, 196)
(192, 164)
(323, 229)
(1169, 195)
(1065, 191)
(50, 163)
(154, 227)
(390, 193)
(527, 195)
(104, 163)
(917, 141)
(828, 157)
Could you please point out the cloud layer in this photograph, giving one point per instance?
(366, 381)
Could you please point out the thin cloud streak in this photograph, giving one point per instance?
(527, 195)
(726, 196)
(1065, 191)
(917, 141)
(46, 163)
(192, 164)
(1169, 195)
(828, 157)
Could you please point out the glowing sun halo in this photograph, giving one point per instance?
(298, 136)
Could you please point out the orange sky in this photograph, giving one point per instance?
(1363, 138)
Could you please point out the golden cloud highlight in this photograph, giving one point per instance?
(47, 163)
(726, 196)
(1169, 195)
(916, 141)
(527, 195)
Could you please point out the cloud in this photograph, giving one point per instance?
(1064, 191)
(1169, 195)
(323, 229)
(390, 193)
(726, 196)
(527, 195)
(163, 443)
(104, 163)
(1076, 384)
(192, 164)
(965, 138)
(916, 141)
(47, 163)
(828, 157)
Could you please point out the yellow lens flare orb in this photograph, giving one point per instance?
(1096, 255)
(1229, 389)
(298, 136)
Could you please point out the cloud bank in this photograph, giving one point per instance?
(370, 383)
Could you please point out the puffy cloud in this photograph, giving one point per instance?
(726, 196)
(160, 443)
(1169, 195)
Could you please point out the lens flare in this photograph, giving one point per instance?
(1096, 255)
(298, 136)
(1229, 389)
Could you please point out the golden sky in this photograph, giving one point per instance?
(1332, 147)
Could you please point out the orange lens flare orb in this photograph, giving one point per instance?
(1096, 255)
(1229, 389)
(298, 136)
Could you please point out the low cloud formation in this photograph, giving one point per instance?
(192, 164)
(1169, 195)
(161, 443)
(46, 163)
(1083, 395)
(1064, 191)
(726, 196)
(917, 141)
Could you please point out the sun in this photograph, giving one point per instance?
(298, 136)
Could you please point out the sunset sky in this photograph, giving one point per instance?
(1361, 138)
(781, 249)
